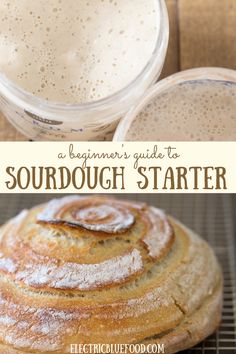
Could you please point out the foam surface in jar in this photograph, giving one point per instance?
(76, 51)
(194, 110)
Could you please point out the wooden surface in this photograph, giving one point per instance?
(202, 33)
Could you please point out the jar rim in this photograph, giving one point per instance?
(38, 105)
(195, 74)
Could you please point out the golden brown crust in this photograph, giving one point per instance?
(100, 270)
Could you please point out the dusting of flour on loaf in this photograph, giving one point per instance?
(82, 276)
(160, 233)
(100, 216)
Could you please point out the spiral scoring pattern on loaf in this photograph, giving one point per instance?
(96, 269)
(95, 216)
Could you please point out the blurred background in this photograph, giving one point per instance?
(211, 216)
(202, 33)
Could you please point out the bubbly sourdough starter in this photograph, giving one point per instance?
(76, 51)
(195, 110)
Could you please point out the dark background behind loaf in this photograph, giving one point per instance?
(212, 216)
(203, 212)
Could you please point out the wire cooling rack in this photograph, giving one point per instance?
(213, 217)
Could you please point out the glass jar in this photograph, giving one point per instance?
(163, 87)
(39, 119)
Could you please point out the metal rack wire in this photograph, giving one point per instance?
(212, 216)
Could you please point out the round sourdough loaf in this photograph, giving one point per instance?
(91, 269)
